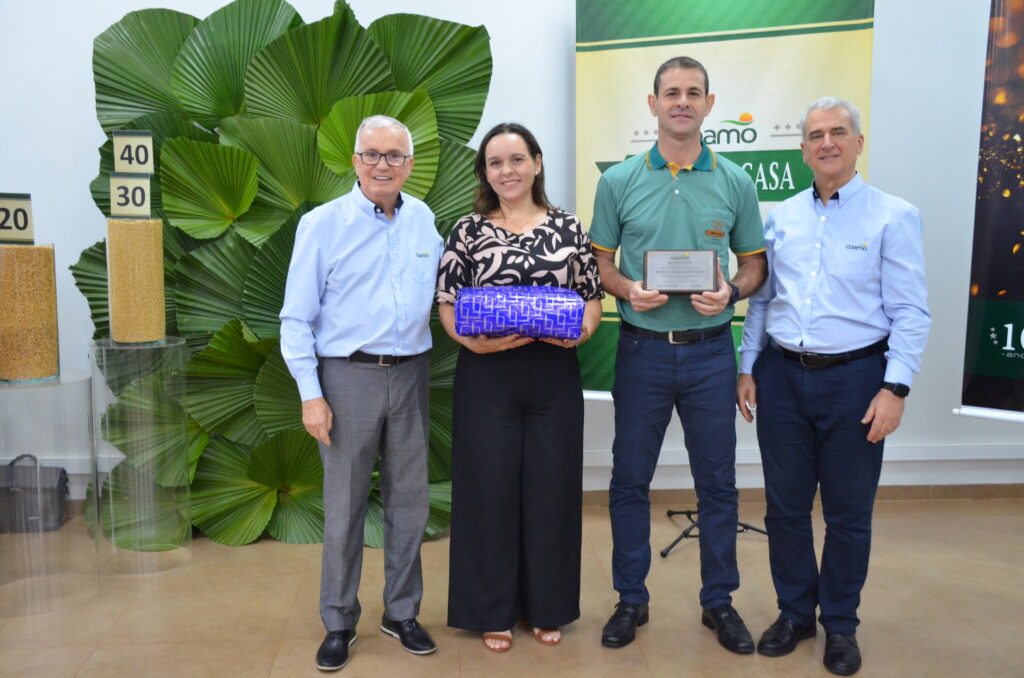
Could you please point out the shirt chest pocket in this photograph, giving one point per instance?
(854, 264)
(714, 228)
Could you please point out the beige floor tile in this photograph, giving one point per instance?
(893, 648)
(181, 608)
(264, 558)
(1006, 636)
(36, 663)
(241, 657)
(87, 624)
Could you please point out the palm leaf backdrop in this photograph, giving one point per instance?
(253, 115)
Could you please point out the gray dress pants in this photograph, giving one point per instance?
(377, 410)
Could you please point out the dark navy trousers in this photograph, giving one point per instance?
(810, 435)
(698, 380)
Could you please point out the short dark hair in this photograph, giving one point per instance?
(681, 62)
(486, 201)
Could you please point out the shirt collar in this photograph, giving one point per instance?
(706, 161)
(367, 206)
(845, 192)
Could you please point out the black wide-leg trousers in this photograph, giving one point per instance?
(517, 465)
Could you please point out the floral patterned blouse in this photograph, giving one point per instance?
(557, 253)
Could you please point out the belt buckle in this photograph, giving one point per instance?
(390, 362)
(671, 337)
(802, 363)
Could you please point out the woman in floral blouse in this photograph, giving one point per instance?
(517, 430)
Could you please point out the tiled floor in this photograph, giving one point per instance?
(945, 598)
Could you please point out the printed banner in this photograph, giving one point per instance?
(994, 360)
(766, 62)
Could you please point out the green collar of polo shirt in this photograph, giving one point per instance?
(706, 161)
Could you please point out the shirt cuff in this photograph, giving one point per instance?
(747, 359)
(898, 373)
(309, 388)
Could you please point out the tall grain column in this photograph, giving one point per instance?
(135, 271)
(28, 313)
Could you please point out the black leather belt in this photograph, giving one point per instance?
(819, 360)
(382, 360)
(677, 336)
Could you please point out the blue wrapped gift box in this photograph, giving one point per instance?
(539, 311)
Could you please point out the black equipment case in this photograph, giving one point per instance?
(32, 498)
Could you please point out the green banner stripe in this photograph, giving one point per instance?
(729, 36)
(600, 20)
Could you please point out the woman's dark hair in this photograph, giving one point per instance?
(486, 201)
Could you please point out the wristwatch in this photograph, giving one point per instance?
(899, 390)
(735, 296)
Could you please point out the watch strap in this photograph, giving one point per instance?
(900, 390)
(735, 296)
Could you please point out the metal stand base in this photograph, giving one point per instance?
(687, 533)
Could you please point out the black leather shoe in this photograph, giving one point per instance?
(333, 652)
(782, 636)
(414, 638)
(621, 627)
(842, 656)
(732, 633)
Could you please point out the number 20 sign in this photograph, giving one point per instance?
(16, 218)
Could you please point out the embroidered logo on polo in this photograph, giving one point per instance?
(714, 233)
(863, 247)
(423, 255)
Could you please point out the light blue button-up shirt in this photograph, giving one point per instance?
(841, 277)
(358, 282)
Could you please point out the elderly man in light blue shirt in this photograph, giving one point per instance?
(355, 335)
(831, 343)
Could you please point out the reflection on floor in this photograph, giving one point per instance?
(945, 598)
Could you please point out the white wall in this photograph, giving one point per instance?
(926, 107)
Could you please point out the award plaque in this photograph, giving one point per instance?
(680, 271)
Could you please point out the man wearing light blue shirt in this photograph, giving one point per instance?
(830, 345)
(355, 335)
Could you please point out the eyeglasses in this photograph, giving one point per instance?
(373, 157)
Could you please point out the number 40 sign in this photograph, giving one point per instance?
(129, 182)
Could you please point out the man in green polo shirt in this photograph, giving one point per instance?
(676, 351)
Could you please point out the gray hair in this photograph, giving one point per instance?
(378, 122)
(827, 104)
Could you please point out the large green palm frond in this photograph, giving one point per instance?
(263, 293)
(452, 62)
(228, 506)
(337, 135)
(132, 63)
(276, 397)
(451, 196)
(301, 74)
(209, 284)
(220, 384)
(290, 464)
(209, 72)
(206, 187)
(290, 170)
(149, 427)
(137, 513)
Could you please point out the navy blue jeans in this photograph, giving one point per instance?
(809, 431)
(653, 377)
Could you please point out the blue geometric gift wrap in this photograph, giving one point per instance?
(539, 311)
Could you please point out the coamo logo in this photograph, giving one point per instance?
(742, 133)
